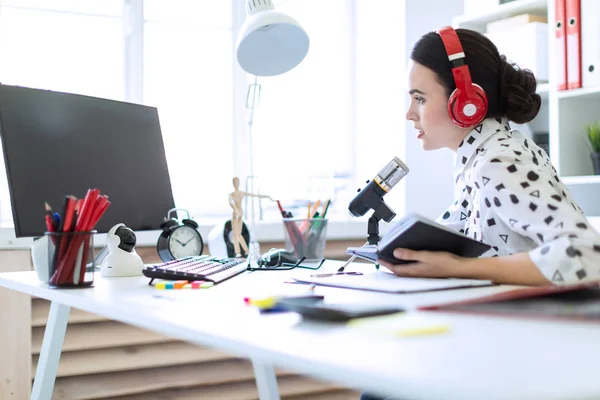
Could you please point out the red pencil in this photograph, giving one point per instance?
(71, 257)
(281, 209)
(67, 264)
(101, 206)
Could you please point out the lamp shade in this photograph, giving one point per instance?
(270, 42)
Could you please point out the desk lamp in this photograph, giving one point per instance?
(269, 43)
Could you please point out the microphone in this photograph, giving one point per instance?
(371, 197)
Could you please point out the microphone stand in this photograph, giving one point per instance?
(381, 212)
(373, 230)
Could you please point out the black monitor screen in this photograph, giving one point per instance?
(57, 144)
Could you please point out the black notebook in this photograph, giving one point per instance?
(416, 232)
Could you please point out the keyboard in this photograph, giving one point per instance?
(196, 268)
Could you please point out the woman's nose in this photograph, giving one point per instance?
(411, 115)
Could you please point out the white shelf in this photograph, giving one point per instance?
(580, 180)
(591, 93)
(543, 89)
(563, 114)
(477, 22)
(595, 222)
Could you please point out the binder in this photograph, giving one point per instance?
(590, 43)
(561, 44)
(573, 14)
(572, 302)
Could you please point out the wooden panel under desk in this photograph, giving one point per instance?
(40, 309)
(126, 358)
(290, 387)
(224, 372)
(227, 379)
(99, 335)
(15, 332)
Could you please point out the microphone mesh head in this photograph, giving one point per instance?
(391, 174)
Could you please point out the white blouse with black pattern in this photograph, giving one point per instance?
(509, 196)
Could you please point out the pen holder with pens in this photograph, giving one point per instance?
(306, 237)
(70, 259)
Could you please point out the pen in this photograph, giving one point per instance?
(52, 216)
(60, 241)
(326, 207)
(57, 220)
(314, 209)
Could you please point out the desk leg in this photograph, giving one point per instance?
(266, 380)
(54, 335)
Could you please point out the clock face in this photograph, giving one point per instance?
(185, 241)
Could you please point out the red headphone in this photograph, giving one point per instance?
(468, 103)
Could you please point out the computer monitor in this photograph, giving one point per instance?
(57, 144)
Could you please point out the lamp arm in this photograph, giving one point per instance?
(252, 101)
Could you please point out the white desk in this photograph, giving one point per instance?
(479, 358)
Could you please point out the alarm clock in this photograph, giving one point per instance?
(179, 238)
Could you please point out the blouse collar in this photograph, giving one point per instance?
(470, 146)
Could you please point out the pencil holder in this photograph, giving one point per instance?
(70, 259)
(306, 237)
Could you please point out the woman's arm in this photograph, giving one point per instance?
(517, 269)
(514, 269)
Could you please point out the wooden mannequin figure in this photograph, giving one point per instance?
(235, 201)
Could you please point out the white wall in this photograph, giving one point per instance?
(429, 185)
(380, 90)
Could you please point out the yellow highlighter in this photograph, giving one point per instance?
(402, 326)
(266, 302)
(421, 331)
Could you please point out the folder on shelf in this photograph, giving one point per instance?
(573, 17)
(590, 43)
(561, 44)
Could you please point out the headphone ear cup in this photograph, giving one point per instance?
(168, 224)
(190, 222)
(453, 106)
(481, 102)
(467, 110)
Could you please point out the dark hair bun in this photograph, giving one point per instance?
(518, 92)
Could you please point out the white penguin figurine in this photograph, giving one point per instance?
(122, 259)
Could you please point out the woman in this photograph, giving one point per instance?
(508, 194)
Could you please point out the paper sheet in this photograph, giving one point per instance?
(381, 281)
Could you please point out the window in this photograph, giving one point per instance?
(39, 48)
(313, 128)
(306, 116)
(337, 118)
(187, 70)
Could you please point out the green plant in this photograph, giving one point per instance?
(593, 134)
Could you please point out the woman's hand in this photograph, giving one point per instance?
(516, 269)
(429, 264)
